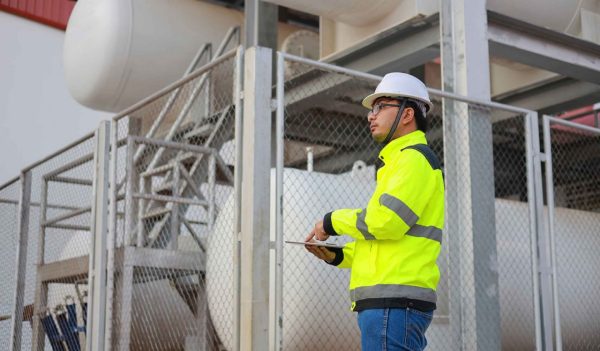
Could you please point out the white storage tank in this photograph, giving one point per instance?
(119, 51)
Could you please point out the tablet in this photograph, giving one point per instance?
(322, 243)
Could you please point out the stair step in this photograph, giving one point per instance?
(199, 134)
(156, 212)
(161, 170)
(164, 189)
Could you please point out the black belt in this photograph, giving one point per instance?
(394, 302)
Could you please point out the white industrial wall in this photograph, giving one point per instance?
(37, 114)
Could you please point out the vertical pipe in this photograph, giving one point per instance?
(309, 159)
(279, 136)
(112, 232)
(141, 228)
(212, 169)
(41, 289)
(99, 230)
(126, 286)
(550, 201)
(129, 189)
(237, 189)
(533, 156)
(174, 222)
(21, 259)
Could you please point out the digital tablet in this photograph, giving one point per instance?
(322, 243)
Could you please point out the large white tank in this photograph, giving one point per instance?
(315, 296)
(118, 51)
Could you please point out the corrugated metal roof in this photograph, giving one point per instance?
(54, 13)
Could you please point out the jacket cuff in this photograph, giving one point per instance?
(328, 226)
(339, 256)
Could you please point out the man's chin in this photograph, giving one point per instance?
(378, 138)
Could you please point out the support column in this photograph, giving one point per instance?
(470, 216)
(21, 261)
(261, 24)
(254, 300)
(96, 312)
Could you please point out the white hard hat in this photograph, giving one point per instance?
(399, 85)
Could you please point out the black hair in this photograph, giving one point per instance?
(422, 124)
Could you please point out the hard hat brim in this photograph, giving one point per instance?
(368, 101)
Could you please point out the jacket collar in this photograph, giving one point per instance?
(396, 145)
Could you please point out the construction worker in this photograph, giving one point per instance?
(397, 237)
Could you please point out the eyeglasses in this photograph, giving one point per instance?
(377, 107)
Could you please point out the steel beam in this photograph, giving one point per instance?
(254, 299)
(400, 48)
(542, 48)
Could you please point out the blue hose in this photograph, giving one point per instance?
(70, 334)
(53, 333)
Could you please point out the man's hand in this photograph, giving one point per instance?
(321, 252)
(318, 233)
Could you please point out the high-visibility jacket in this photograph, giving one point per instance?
(398, 235)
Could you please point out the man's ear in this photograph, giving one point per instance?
(408, 115)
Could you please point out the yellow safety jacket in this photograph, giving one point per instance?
(398, 236)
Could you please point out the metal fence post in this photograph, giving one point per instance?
(237, 188)
(535, 199)
(96, 311)
(23, 235)
(254, 323)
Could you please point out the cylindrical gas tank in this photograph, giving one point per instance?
(117, 52)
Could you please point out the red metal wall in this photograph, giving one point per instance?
(54, 13)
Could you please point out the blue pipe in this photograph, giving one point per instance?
(53, 333)
(69, 334)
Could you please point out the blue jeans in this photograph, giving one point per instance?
(393, 329)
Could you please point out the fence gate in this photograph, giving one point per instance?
(573, 198)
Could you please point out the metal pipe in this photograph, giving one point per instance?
(112, 232)
(550, 201)
(129, 190)
(237, 189)
(69, 180)
(174, 221)
(9, 182)
(533, 156)
(172, 145)
(69, 337)
(163, 198)
(21, 260)
(279, 164)
(73, 164)
(52, 332)
(61, 150)
(571, 124)
(66, 216)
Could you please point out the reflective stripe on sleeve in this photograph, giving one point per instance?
(399, 208)
(361, 225)
(431, 232)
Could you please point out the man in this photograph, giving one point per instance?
(397, 237)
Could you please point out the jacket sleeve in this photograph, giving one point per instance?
(396, 205)
(344, 256)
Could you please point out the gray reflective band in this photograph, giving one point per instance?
(432, 233)
(361, 225)
(399, 208)
(391, 291)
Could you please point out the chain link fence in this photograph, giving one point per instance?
(171, 270)
(573, 197)
(9, 212)
(329, 162)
